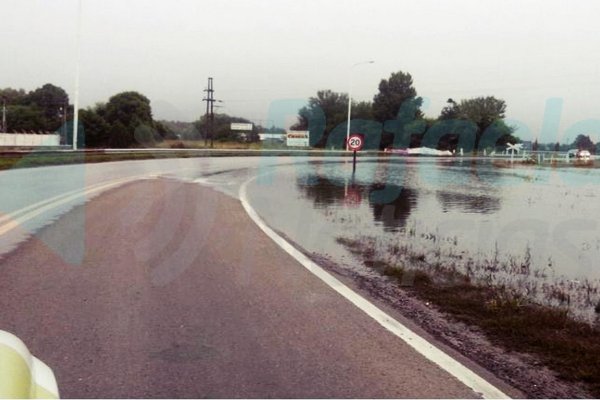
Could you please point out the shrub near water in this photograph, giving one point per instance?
(569, 347)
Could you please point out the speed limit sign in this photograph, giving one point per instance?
(356, 142)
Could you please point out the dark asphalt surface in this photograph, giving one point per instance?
(180, 295)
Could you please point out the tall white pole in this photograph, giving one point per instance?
(77, 62)
(349, 113)
(350, 101)
(4, 115)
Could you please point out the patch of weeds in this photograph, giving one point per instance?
(417, 257)
(569, 347)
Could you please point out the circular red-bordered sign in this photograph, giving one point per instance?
(356, 142)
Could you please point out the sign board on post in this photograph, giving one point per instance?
(355, 143)
(298, 138)
(241, 126)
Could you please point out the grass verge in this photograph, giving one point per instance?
(28, 160)
(571, 348)
(12, 160)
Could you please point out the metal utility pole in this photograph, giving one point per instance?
(210, 116)
(209, 113)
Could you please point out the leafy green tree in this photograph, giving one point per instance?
(583, 142)
(125, 112)
(96, 129)
(53, 101)
(482, 110)
(324, 112)
(362, 110)
(100, 109)
(393, 93)
(129, 108)
(120, 136)
(25, 119)
(407, 128)
(41, 110)
(451, 111)
(13, 96)
(487, 113)
(49, 98)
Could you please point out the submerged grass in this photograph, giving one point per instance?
(569, 347)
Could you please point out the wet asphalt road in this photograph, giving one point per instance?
(179, 294)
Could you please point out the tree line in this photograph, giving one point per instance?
(394, 119)
(581, 142)
(41, 110)
(125, 120)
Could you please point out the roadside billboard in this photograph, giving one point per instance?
(272, 136)
(297, 138)
(241, 126)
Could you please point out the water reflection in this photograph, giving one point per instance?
(520, 226)
(391, 204)
(467, 203)
(393, 215)
(323, 191)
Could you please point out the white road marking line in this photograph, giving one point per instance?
(422, 346)
(27, 213)
(23, 210)
(16, 218)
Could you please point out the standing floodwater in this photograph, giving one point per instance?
(533, 228)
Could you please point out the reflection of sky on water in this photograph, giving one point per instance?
(479, 206)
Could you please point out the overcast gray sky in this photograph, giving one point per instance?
(261, 51)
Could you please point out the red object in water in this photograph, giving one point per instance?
(353, 197)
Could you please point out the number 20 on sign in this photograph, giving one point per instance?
(355, 143)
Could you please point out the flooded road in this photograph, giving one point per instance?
(533, 228)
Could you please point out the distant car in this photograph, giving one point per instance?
(584, 155)
(579, 154)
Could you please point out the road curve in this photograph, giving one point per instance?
(180, 295)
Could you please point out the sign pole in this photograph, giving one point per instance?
(355, 143)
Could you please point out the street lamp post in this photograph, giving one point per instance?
(350, 100)
(77, 72)
(3, 115)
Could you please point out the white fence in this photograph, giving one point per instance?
(28, 140)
